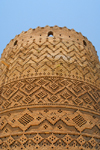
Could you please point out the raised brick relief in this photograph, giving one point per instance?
(49, 92)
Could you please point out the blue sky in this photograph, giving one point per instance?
(20, 15)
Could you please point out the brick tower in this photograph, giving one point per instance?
(49, 92)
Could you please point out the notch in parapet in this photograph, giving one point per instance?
(50, 34)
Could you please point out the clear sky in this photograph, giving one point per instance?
(20, 15)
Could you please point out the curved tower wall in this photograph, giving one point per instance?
(49, 91)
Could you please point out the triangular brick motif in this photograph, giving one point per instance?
(49, 91)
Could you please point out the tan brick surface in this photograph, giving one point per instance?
(49, 92)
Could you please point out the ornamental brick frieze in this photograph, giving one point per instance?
(50, 90)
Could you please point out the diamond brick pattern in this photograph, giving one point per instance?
(79, 120)
(25, 119)
(37, 139)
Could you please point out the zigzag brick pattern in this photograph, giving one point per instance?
(49, 92)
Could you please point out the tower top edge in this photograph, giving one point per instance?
(56, 32)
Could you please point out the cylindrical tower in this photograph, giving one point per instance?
(49, 92)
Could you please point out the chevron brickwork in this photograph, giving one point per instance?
(49, 91)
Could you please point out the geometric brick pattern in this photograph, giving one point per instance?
(49, 92)
(79, 120)
(25, 119)
(45, 94)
